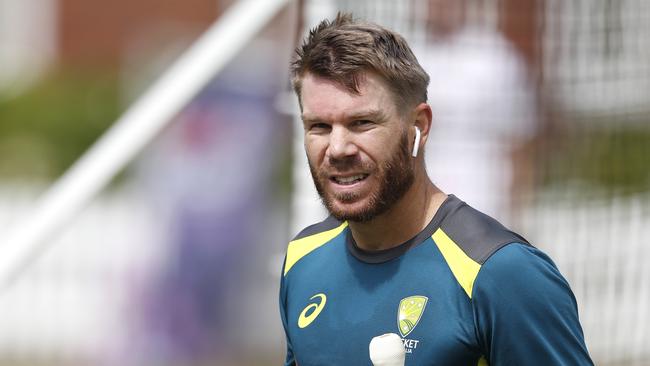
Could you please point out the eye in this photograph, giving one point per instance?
(363, 123)
(318, 127)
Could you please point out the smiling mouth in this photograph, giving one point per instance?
(346, 181)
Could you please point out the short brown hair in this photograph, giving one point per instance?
(341, 50)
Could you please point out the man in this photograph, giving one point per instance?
(397, 254)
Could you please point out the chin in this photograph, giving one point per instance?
(357, 211)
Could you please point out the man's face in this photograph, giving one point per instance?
(357, 147)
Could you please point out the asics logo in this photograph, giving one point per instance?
(313, 309)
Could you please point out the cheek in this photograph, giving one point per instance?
(379, 147)
(315, 149)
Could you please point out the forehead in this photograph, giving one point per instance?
(325, 99)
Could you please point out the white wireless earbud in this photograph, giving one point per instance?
(416, 144)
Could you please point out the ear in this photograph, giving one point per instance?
(422, 119)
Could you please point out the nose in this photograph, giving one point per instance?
(341, 144)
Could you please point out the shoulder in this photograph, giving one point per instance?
(467, 238)
(310, 239)
(476, 233)
(518, 258)
(523, 304)
(522, 271)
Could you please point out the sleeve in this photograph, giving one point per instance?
(525, 312)
(290, 359)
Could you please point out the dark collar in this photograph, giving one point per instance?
(381, 256)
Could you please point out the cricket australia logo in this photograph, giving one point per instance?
(409, 313)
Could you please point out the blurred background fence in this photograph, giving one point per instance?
(546, 103)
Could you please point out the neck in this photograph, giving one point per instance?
(404, 220)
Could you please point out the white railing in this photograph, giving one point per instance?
(133, 131)
(600, 248)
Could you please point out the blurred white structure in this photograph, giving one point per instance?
(27, 42)
(600, 248)
(483, 108)
(65, 307)
(603, 67)
(73, 302)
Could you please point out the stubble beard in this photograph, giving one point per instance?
(396, 177)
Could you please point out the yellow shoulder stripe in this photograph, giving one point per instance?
(303, 246)
(464, 268)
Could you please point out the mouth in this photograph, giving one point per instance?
(348, 180)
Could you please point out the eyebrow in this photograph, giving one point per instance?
(307, 119)
(372, 114)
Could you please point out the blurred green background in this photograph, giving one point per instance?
(46, 128)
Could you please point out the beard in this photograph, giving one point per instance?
(395, 178)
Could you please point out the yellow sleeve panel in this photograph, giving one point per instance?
(464, 268)
(303, 246)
